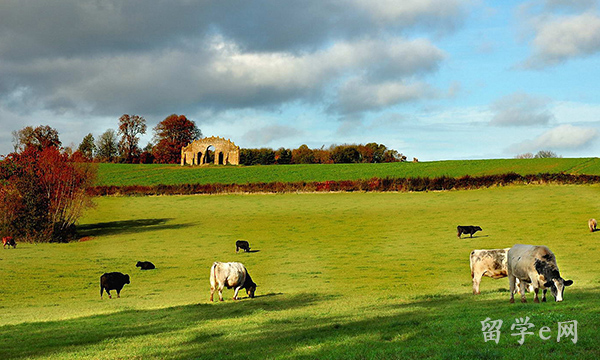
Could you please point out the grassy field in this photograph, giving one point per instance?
(125, 174)
(340, 276)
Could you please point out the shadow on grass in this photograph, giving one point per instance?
(428, 326)
(47, 338)
(126, 226)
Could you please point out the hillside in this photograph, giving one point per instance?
(146, 175)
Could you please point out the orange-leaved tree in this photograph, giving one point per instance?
(43, 194)
(171, 134)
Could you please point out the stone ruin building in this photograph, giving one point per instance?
(226, 152)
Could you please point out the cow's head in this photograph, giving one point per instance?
(250, 290)
(478, 228)
(557, 287)
(127, 279)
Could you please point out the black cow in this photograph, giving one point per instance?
(8, 240)
(468, 230)
(242, 244)
(145, 265)
(113, 281)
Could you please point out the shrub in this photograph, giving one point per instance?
(42, 194)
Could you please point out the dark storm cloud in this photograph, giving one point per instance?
(111, 57)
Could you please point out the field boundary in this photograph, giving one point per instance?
(375, 184)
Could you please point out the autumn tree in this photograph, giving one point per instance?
(130, 128)
(39, 137)
(107, 147)
(170, 135)
(42, 194)
(87, 148)
(303, 155)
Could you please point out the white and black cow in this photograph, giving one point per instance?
(491, 263)
(592, 224)
(467, 230)
(230, 275)
(535, 265)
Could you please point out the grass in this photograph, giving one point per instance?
(342, 275)
(125, 174)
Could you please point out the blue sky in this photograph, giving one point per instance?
(433, 79)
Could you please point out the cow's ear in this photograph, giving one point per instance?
(568, 282)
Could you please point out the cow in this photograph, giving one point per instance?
(490, 263)
(8, 240)
(113, 281)
(231, 275)
(145, 265)
(469, 230)
(242, 244)
(592, 224)
(535, 265)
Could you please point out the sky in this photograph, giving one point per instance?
(432, 79)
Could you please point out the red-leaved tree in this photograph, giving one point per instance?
(42, 194)
(171, 134)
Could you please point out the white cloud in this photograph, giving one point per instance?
(357, 96)
(521, 109)
(564, 137)
(558, 39)
(268, 135)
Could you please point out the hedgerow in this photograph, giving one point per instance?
(374, 184)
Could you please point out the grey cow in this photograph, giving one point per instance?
(535, 265)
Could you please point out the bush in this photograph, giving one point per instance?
(42, 194)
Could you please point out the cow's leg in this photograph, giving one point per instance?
(235, 293)
(221, 292)
(476, 282)
(535, 295)
(119, 293)
(237, 249)
(212, 292)
(511, 285)
(522, 287)
(544, 295)
(108, 292)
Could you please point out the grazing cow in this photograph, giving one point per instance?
(535, 265)
(242, 244)
(145, 265)
(490, 263)
(232, 275)
(8, 240)
(113, 281)
(467, 230)
(592, 223)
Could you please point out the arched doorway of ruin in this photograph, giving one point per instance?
(209, 156)
(221, 158)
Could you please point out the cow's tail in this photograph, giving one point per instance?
(471, 263)
(213, 279)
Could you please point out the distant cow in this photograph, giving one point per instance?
(242, 244)
(592, 224)
(8, 240)
(230, 275)
(467, 230)
(535, 265)
(491, 263)
(113, 281)
(145, 265)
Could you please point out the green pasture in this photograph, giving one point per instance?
(154, 174)
(340, 276)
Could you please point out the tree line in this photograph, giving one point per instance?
(176, 131)
(335, 154)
